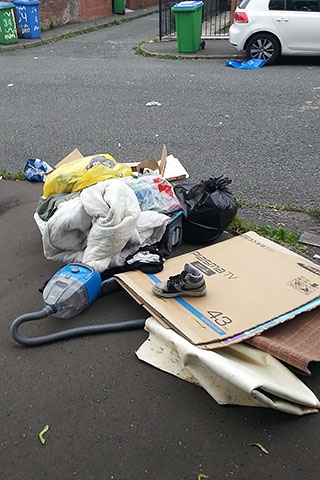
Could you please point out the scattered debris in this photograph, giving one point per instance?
(264, 450)
(35, 170)
(153, 104)
(202, 475)
(43, 431)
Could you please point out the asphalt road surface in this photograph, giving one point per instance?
(110, 415)
(259, 127)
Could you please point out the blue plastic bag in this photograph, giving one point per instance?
(35, 170)
(251, 64)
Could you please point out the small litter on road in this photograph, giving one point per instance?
(264, 450)
(41, 434)
(153, 104)
(35, 170)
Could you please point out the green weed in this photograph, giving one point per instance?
(167, 56)
(283, 208)
(278, 235)
(12, 176)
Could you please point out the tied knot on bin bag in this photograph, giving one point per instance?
(208, 208)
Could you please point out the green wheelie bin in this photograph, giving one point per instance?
(188, 18)
(8, 28)
(119, 7)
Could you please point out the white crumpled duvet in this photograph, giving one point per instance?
(101, 227)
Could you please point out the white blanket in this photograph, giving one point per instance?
(101, 227)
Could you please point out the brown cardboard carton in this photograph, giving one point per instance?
(251, 286)
(168, 167)
(74, 155)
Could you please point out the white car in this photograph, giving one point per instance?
(266, 29)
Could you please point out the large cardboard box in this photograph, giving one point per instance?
(252, 285)
(74, 155)
(169, 167)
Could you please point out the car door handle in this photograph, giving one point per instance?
(282, 19)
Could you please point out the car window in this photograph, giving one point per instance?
(295, 5)
(277, 5)
(305, 5)
(243, 3)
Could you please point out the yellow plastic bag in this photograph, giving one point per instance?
(79, 174)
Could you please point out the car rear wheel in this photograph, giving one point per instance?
(263, 46)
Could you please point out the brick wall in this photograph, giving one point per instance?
(58, 12)
(61, 12)
(90, 9)
(136, 4)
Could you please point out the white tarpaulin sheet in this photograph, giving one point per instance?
(237, 374)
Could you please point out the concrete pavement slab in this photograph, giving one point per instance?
(213, 48)
(111, 416)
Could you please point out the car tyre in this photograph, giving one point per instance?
(263, 46)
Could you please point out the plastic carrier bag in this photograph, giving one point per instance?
(79, 174)
(251, 64)
(208, 207)
(35, 170)
(154, 193)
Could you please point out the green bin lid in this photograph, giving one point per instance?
(187, 4)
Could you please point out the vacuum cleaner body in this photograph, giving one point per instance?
(72, 289)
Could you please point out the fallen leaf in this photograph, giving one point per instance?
(43, 431)
(264, 450)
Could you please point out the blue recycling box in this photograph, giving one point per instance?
(27, 12)
(188, 18)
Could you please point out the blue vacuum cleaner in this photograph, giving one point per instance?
(71, 290)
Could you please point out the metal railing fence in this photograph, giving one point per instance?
(215, 18)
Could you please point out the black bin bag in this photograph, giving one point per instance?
(208, 208)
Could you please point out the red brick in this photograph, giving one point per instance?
(136, 4)
(61, 12)
(91, 9)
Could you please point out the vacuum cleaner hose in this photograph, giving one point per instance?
(66, 334)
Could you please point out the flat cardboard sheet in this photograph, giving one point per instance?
(252, 285)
